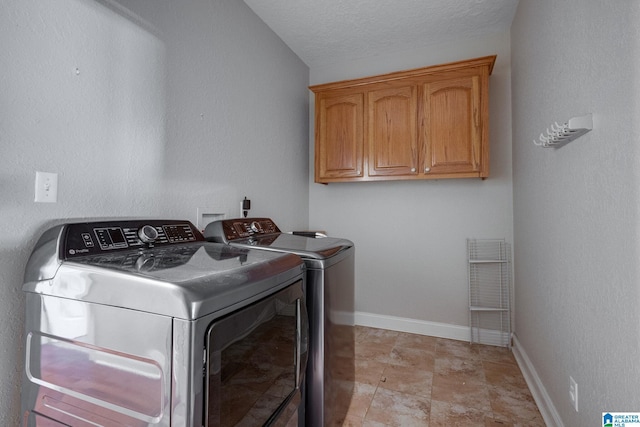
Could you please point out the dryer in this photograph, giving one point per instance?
(330, 301)
(144, 323)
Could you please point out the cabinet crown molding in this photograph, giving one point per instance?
(414, 72)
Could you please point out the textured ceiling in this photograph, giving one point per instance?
(329, 31)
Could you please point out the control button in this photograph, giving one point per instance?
(88, 242)
(255, 227)
(148, 234)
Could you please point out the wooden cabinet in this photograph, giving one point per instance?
(339, 136)
(428, 123)
(453, 127)
(392, 131)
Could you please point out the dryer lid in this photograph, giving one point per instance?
(262, 233)
(184, 277)
(305, 247)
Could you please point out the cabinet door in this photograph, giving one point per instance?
(339, 137)
(453, 126)
(392, 131)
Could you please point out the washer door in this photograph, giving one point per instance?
(256, 362)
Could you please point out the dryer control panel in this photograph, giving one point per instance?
(228, 230)
(90, 238)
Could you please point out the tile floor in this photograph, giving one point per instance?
(409, 380)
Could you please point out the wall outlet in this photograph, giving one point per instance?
(573, 393)
(206, 215)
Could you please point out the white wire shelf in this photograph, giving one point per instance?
(487, 261)
(480, 308)
(489, 274)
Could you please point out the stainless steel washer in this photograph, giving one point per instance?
(144, 323)
(330, 301)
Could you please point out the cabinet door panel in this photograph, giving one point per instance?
(392, 131)
(452, 130)
(340, 143)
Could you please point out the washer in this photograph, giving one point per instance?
(144, 323)
(330, 302)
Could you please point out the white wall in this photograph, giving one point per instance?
(172, 108)
(410, 236)
(576, 208)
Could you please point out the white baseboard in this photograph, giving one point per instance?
(421, 327)
(539, 393)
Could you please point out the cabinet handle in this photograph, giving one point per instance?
(427, 170)
(358, 172)
(413, 169)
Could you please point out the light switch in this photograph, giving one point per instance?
(46, 187)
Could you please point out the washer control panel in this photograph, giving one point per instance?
(228, 230)
(90, 238)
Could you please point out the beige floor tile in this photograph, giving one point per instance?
(407, 380)
(412, 357)
(367, 423)
(351, 421)
(447, 414)
(496, 354)
(392, 408)
(340, 397)
(501, 374)
(461, 367)
(378, 352)
(368, 371)
(516, 405)
(491, 422)
(375, 336)
(361, 400)
(421, 342)
(343, 368)
(460, 349)
(410, 380)
(471, 393)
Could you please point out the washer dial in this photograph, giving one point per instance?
(148, 234)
